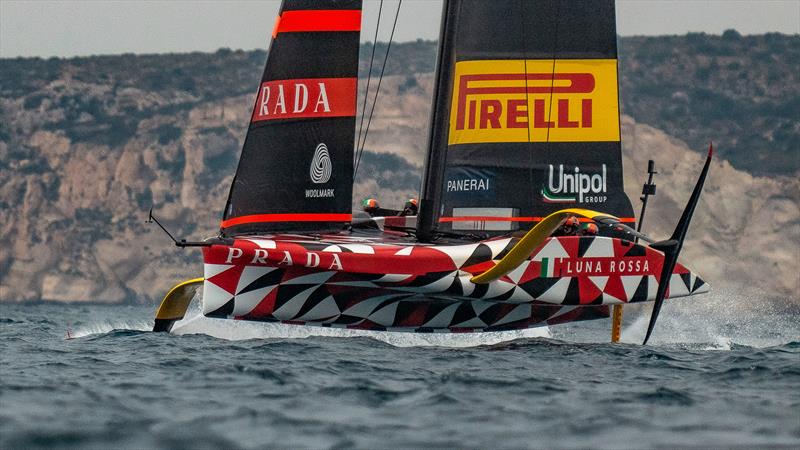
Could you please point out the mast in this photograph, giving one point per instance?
(434, 163)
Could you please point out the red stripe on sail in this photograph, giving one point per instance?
(303, 217)
(319, 20)
(306, 98)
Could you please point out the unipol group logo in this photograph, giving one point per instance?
(305, 98)
(574, 186)
(534, 101)
(321, 165)
(320, 172)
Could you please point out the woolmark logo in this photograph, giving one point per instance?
(574, 187)
(321, 165)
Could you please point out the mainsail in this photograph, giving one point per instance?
(296, 168)
(525, 118)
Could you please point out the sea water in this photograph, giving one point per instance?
(722, 370)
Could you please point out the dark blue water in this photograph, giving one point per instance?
(714, 376)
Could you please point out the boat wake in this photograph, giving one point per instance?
(709, 322)
(236, 330)
(104, 327)
(720, 320)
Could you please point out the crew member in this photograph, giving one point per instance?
(370, 206)
(570, 227)
(410, 208)
(589, 229)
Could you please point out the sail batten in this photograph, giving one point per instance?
(295, 170)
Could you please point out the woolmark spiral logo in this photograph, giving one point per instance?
(321, 165)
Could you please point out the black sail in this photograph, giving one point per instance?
(525, 118)
(296, 168)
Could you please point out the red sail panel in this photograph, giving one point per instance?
(318, 20)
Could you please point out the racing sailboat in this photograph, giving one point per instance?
(524, 135)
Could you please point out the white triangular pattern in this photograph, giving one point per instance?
(466, 286)
(405, 251)
(324, 309)
(498, 287)
(601, 247)
(263, 243)
(386, 315)
(652, 287)
(209, 270)
(609, 299)
(364, 308)
(214, 297)
(516, 274)
(359, 248)
(520, 296)
(553, 249)
(479, 306)
(458, 253)
(250, 274)
(497, 246)
(676, 287)
(702, 289)
(557, 292)
(244, 303)
(332, 249)
(521, 312)
(393, 278)
(444, 317)
(289, 310)
(600, 282)
(630, 283)
(312, 278)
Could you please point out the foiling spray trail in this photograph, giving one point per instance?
(713, 375)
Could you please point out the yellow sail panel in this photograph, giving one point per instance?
(534, 101)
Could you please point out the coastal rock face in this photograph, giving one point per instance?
(82, 162)
(746, 229)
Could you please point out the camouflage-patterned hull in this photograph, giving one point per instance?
(380, 282)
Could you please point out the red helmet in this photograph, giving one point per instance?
(590, 229)
(571, 222)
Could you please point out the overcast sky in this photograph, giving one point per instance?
(85, 27)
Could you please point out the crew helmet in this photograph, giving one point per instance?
(589, 229)
(369, 204)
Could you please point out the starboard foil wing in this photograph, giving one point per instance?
(296, 168)
(525, 118)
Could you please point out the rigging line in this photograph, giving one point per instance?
(378, 88)
(369, 77)
(553, 73)
(527, 97)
